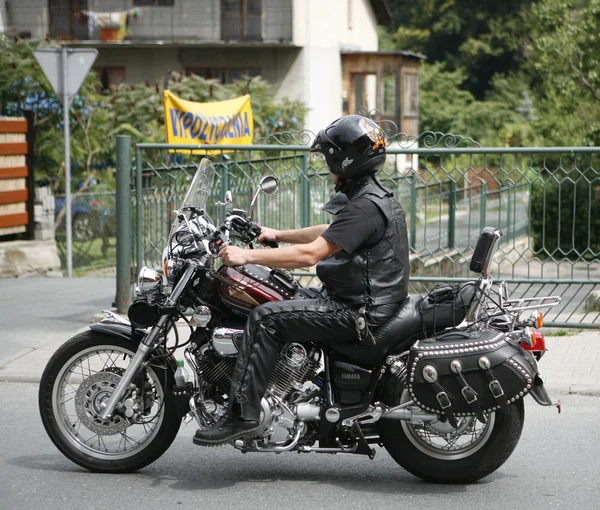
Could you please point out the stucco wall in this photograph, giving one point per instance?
(2, 15)
(324, 29)
(141, 64)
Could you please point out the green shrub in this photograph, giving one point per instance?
(565, 215)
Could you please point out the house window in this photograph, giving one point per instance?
(149, 3)
(411, 95)
(63, 17)
(110, 76)
(241, 19)
(224, 74)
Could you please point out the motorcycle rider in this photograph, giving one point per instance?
(362, 261)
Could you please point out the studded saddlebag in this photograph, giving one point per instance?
(468, 374)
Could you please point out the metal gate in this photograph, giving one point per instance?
(545, 200)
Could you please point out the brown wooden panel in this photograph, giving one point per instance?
(12, 220)
(9, 173)
(10, 197)
(13, 126)
(13, 149)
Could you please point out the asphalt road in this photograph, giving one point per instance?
(555, 465)
(34, 311)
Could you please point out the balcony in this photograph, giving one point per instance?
(164, 21)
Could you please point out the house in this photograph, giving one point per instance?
(321, 52)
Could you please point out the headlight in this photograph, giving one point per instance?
(148, 280)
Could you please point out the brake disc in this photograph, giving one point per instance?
(91, 394)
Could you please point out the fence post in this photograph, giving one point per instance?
(139, 188)
(509, 213)
(304, 193)
(124, 231)
(413, 212)
(483, 205)
(224, 179)
(451, 215)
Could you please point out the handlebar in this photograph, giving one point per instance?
(270, 244)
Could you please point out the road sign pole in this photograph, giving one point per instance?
(67, 162)
(66, 78)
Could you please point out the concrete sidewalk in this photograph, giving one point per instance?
(571, 365)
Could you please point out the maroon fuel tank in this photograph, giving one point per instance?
(249, 286)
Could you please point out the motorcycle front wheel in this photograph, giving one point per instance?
(76, 382)
(439, 453)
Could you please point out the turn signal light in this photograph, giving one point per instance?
(538, 343)
(539, 320)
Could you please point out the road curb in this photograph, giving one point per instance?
(20, 378)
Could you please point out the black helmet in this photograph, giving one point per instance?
(352, 146)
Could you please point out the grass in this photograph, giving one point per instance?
(88, 255)
(561, 332)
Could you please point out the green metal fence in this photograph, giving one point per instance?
(546, 201)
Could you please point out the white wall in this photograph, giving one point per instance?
(140, 64)
(2, 16)
(278, 65)
(325, 29)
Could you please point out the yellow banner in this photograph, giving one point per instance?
(221, 122)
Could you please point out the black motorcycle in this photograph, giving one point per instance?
(442, 389)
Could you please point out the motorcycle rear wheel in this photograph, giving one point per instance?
(78, 378)
(421, 450)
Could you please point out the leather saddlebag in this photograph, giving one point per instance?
(468, 374)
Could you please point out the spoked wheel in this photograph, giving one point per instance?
(437, 452)
(77, 382)
(441, 440)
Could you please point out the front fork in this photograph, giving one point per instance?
(146, 346)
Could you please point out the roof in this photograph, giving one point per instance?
(382, 11)
(392, 53)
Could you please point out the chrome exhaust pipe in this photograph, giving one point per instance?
(412, 414)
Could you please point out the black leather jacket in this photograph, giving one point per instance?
(374, 275)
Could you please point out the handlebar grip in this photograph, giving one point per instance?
(270, 244)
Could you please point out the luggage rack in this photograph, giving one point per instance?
(519, 305)
(532, 303)
(522, 304)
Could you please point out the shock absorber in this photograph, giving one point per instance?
(397, 368)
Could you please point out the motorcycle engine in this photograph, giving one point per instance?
(294, 366)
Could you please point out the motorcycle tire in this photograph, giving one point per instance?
(58, 422)
(460, 467)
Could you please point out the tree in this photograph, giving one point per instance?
(23, 85)
(564, 59)
(482, 38)
(97, 116)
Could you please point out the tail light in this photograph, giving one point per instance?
(536, 340)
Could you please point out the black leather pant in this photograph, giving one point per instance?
(317, 317)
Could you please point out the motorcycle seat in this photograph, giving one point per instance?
(403, 328)
(417, 317)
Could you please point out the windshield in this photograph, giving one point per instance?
(201, 185)
(198, 192)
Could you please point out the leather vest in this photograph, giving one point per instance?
(374, 275)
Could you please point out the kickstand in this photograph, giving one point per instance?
(363, 446)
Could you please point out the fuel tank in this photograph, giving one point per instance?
(249, 286)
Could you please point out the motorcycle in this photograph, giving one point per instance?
(442, 389)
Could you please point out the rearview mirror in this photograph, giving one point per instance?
(269, 184)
